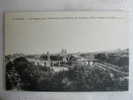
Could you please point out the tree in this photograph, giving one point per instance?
(101, 56)
(26, 72)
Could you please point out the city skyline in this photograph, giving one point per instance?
(75, 52)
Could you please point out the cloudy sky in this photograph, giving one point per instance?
(94, 31)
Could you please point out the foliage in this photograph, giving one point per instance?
(23, 75)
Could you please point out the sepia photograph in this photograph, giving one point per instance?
(66, 51)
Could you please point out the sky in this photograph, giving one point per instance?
(39, 32)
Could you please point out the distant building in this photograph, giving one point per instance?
(79, 60)
(64, 55)
(48, 63)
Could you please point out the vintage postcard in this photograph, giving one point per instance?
(66, 51)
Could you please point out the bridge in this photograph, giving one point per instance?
(110, 67)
